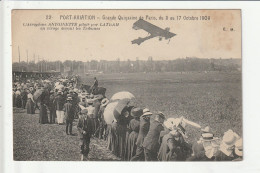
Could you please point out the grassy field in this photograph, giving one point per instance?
(213, 98)
(49, 142)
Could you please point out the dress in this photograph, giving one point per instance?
(134, 126)
(112, 138)
(18, 101)
(30, 104)
(43, 118)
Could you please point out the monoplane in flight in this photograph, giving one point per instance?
(154, 31)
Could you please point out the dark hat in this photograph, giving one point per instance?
(160, 114)
(136, 112)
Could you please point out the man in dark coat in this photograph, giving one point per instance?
(144, 128)
(151, 141)
(52, 108)
(59, 103)
(24, 98)
(69, 115)
(85, 128)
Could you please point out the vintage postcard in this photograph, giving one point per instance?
(127, 85)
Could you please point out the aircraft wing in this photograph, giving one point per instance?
(152, 29)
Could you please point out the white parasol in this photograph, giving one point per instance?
(122, 95)
(109, 112)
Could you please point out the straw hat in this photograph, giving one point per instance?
(239, 147)
(207, 136)
(230, 138)
(206, 129)
(69, 98)
(75, 90)
(146, 112)
(90, 101)
(160, 114)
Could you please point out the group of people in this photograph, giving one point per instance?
(135, 134)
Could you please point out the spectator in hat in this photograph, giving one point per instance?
(85, 128)
(18, 99)
(43, 116)
(103, 125)
(83, 102)
(52, 107)
(59, 103)
(97, 104)
(151, 141)
(206, 148)
(173, 146)
(143, 130)
(24, 98)
(239, 150)
(95, 85)
(134, 127)
(227, 147)
(69, 115)
(30, 103)
(91, 113)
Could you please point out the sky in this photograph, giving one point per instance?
(194, 38)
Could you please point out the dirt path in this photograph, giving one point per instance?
(49, 142)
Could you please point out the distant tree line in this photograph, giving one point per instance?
(130, 66)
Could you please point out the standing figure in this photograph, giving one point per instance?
(30, 103)
(134, 127)
(151, 141)
(43, 118)
(95, 85)
(59, 103)
(18, 99)
(112, 138)
(102, 124)
(144, 128)
(91, 112)
(52, 108)
(85, 129)
(24, 98)
(69, 115)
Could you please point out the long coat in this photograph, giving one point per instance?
(68, 111)
(43, 117)
(85, 124)
(151, 141)
(144, 128)
(30, 106)
(134, 126)
(59, 102)
(112, 138)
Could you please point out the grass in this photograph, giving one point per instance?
(213, 99)
(49, 142)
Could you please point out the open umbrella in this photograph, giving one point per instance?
(122, 95)
(109, 112)
(114, 110)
